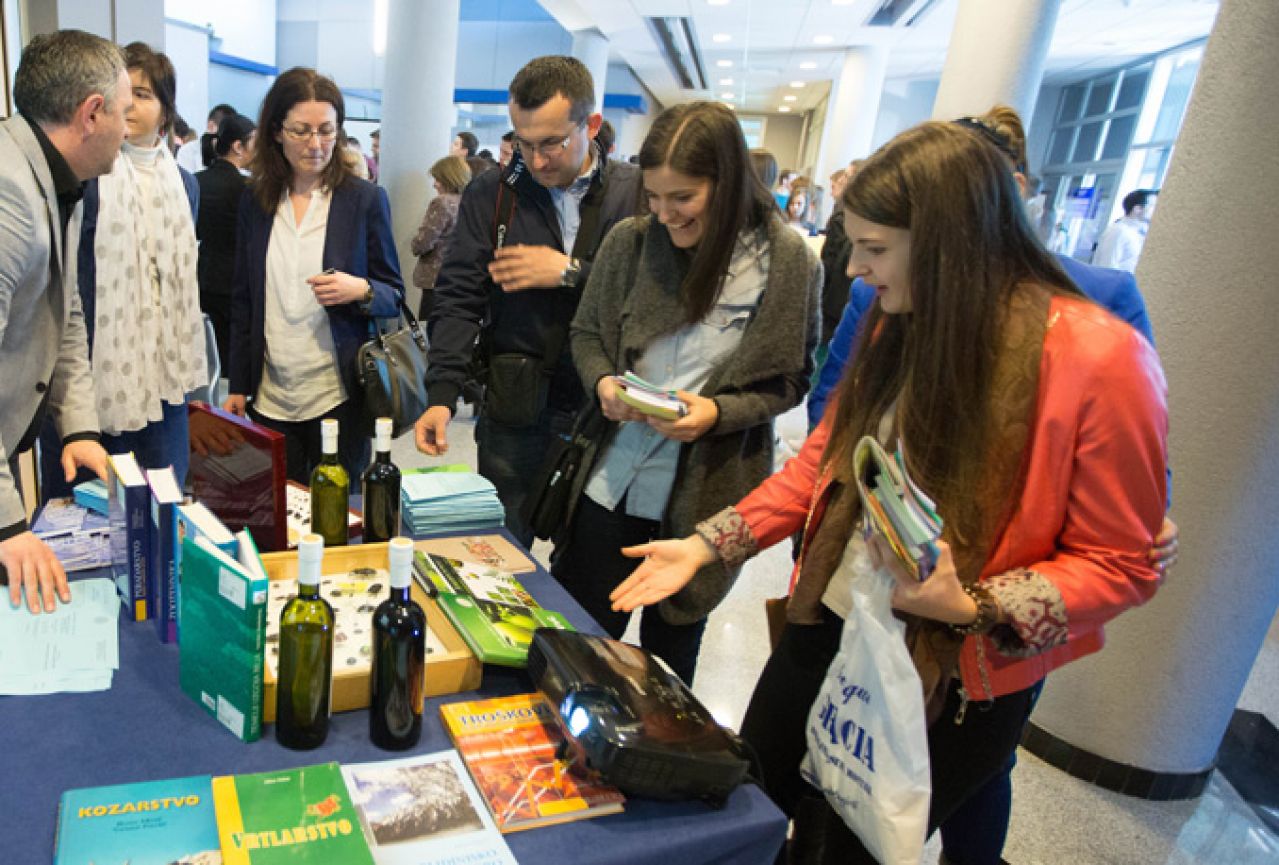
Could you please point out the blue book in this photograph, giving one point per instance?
(150, 823)
(166, 498)
(92, 494)
(129, 510)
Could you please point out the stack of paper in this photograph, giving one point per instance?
(449, 501)
(79, 537)
(75, 648)
(897, 508)
(649, 398)
(92, 495)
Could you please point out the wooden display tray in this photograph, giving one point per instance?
(457, 670)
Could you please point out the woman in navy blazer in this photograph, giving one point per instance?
(314, 263)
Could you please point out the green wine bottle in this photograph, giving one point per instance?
(306, 656)
(399, 659)
(330, 490)
(380, 489)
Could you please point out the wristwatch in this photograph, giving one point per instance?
(367, 300)
(572, 271)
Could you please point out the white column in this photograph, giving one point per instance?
(851, 111)
(996, 55)
(417, 112)
(591, 47)
(1161, 693)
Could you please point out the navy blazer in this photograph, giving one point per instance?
(357, 241)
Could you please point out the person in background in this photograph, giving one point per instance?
(835, 252)
(1120, 244)
(71, 92)
(375, 155)
(765, 165)
(506, 149)
(781, 193)
(315, 260)
(478, 165)
(558, 197)
(464, 145)
(711, 298)
(1046, 537)
(194, 155)
(182, 133)
(354, 158)
(138, 286)
(797, 208)
(449, 177)
(221, 187)
(606, 138)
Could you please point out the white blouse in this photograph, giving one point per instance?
(300, 378)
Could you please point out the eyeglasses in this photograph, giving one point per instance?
(546, 149)
(304, 133)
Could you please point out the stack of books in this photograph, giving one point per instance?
(649, 398)
(449, 501)
(896, 508)
(78, 536)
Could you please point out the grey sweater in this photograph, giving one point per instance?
(767, 374)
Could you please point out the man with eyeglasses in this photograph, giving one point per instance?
(516, 267)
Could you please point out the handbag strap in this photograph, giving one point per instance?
(405, 315)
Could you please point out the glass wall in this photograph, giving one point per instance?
(1112, 134)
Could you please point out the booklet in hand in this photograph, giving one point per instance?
(896, 508)
(649, 398)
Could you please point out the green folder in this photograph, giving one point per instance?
(492, 610)
(223, 633)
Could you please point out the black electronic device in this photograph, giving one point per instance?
(626, 716)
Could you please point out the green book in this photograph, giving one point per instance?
(296, 816)
(223, 635)
(493, 612)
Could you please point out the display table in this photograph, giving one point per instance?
(144, 728)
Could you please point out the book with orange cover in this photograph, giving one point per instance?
(509, 745)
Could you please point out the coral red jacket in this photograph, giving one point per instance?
(1074, 554)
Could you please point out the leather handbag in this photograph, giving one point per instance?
(392, 371)
(550, 506)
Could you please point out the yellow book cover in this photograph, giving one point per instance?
(509, 745)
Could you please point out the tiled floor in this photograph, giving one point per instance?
(1056, 818)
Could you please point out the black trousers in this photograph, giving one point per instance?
(592, 565)
(963, 756)
(303, 447)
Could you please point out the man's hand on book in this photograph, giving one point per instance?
(667, 568)
(84, 453)
(31, 564)
(701, 418)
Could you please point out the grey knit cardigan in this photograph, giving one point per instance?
(767, 374)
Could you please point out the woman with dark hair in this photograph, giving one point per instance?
(450, 176)
(314, 261)
(711, 298)
(1034, 419)
(221, 186)
(137, 279)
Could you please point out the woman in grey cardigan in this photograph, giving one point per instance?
(712, 298)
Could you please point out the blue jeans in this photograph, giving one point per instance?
(511, 457)
(158, 444)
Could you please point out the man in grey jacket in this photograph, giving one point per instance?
(72, 92)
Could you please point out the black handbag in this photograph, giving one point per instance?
(549, 507)
(392, 371)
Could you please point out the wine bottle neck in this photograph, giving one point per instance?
(308, 590)
(400, 595)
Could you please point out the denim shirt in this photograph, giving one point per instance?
(640, 463)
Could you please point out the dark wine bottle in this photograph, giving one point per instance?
(330, 490)
(399, 659)
(380, 489)
(306, 656)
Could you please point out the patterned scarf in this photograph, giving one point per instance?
(148, 340)
(933, 645)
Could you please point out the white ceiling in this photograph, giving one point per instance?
(770, 41)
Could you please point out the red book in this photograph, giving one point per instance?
(238, 472)
(509, 745)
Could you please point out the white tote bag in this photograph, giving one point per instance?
(867, 736)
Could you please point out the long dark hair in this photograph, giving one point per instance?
(704, 140)
(271, 172)
(971, 248)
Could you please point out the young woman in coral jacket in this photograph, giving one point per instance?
(1034, 419)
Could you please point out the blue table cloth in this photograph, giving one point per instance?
(144, 728)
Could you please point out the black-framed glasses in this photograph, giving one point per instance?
(304, 133)
(547, 149)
